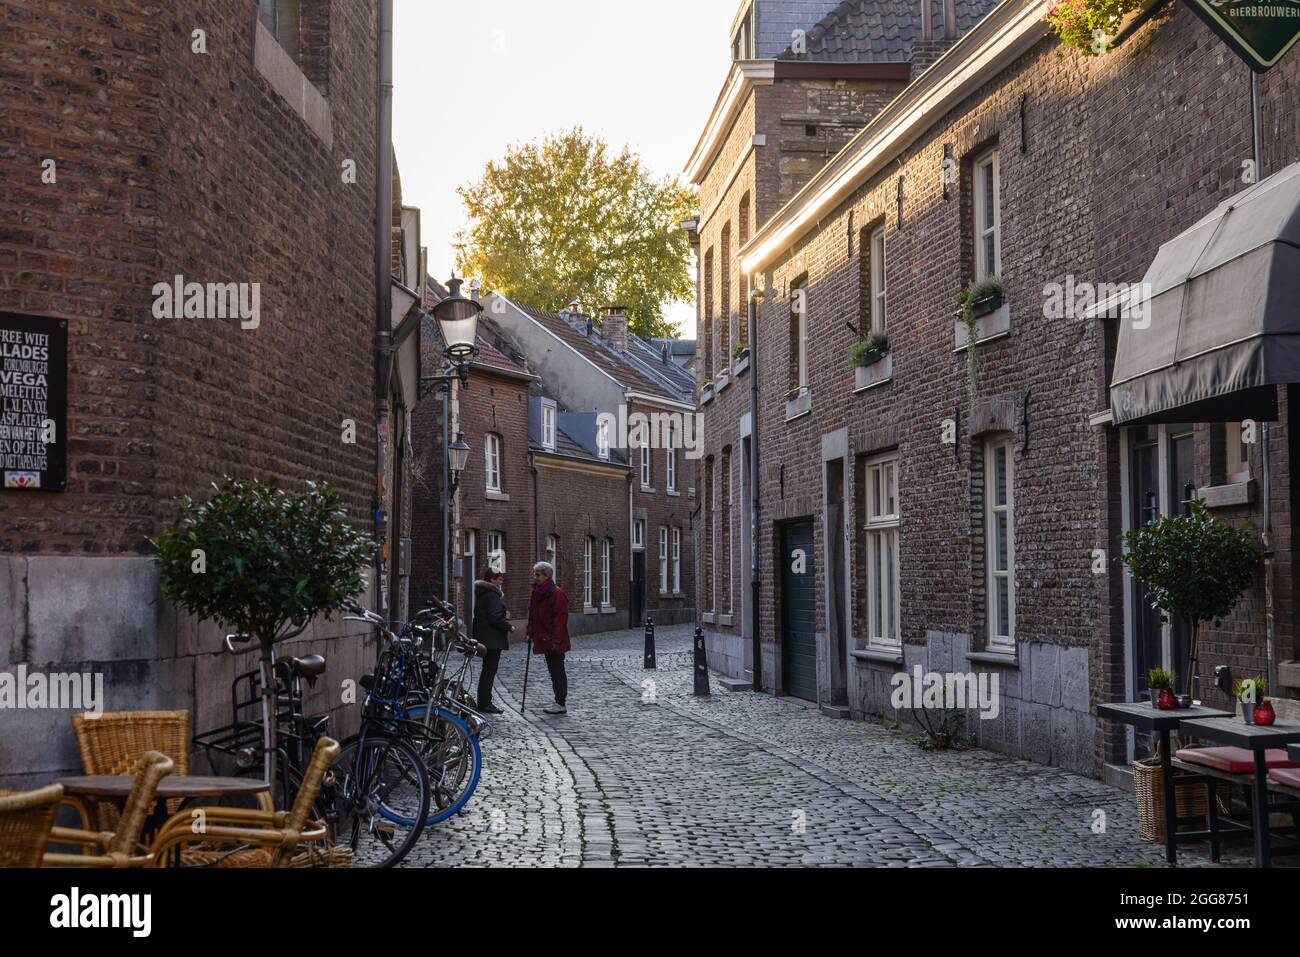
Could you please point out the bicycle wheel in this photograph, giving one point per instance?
(378, 798)
(452, 758)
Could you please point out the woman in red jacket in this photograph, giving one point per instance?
(548, 629)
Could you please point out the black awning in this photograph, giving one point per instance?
(1217, 324)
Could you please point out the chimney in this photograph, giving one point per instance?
(614, 328)
(933, 43)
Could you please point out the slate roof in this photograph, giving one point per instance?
(600, 354)
(569, 448)
(649, 358)
(879, 31)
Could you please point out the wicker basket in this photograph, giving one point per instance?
(1189, 799)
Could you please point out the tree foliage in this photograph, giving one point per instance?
(1192, 565)
(568, 219)
(260, 560)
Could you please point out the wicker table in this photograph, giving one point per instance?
(1257, 739)
(1144, 716)
(183, 787)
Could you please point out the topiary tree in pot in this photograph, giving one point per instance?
(1193, 566)
(264, 563)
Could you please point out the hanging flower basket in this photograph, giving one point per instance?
(1089, 26)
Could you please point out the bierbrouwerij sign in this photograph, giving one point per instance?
(33, 403)
(1258, 31)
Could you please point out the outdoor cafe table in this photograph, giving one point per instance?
(117, 788)
(1256, 739)
(1144, 716)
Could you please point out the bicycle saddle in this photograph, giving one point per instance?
(310, 667)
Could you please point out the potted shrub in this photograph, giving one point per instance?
(1249, 693)
(1193, 566)
(1158, 680)
(869, 351)
(263, 563)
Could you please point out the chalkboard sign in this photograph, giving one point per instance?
(33, 403)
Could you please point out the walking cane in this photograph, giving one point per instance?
(528, 660)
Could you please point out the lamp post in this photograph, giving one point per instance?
(458, 319)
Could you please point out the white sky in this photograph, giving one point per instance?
(472, 78)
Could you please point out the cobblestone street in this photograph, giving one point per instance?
(750, 780)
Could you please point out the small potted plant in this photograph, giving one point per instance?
(1159, 681)
(1250, 693)
(869, 351)
(739, 351)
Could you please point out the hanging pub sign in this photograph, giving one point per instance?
(33, 403)
(1258, 31)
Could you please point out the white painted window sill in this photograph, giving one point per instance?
(995, 658)
(674, 493)
(995, 325)
(879, 656)
(608, 610)
(799, 406)
(877, 374)
(707, 617)
(492, 496)
(1225, 496)
(277, 67)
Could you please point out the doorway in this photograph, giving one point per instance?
(638, 602)
(799, 611)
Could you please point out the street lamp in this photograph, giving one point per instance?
(457, 459)
(458, 318)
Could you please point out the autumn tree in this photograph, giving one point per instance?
(568, 219)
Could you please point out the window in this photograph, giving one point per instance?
(728, 313)
(492, 461)
(548, 426)
(799, 335)
(280, 17)
(742, 44)
(646, 473)
(638, 533)
(672, 459)
(553, 555)
(742, 216)
(706, 330)
(604, 574)
(988, 217)
(663, 559)
(586, 572)
(602, 438)
(1000, 543)
(878, 279)
(882, 552)
(496, 553)
(677, 561)
(1237, 454)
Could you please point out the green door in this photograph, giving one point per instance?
(798, 611)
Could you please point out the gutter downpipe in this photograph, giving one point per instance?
(1265, 453)
(383, 280)
(755, 488)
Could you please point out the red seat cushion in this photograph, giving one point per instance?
(1235, 760)
(1288, 776)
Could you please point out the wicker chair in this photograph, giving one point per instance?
(114, 742)
(241, 837)
(121, 848)
(25, 822)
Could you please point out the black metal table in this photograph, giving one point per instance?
(1146, 717)
(1257, 739)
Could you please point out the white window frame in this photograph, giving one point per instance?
(1236, 455)
(492, 461)
(647, 470)
(883, 521)
(677, 561)
(801, 316)
(586, 572)
(553, 556)
(604, 573)
(663, 559)
(984, 228)
(878, 323)
(638, 533)
(992, 574)
(671, 471)
(548, 426)
(496, 544)
(602, 438)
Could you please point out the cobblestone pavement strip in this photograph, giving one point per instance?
(641, 775)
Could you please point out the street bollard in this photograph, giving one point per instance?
(701, 664)
(649, 644)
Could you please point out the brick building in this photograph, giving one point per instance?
(908, 518)
(144, 142)
(785, 109)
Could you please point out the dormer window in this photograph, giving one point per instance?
(548, 426)
(742, 42)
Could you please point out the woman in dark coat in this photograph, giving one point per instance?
(491, 629)
(548, 629)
